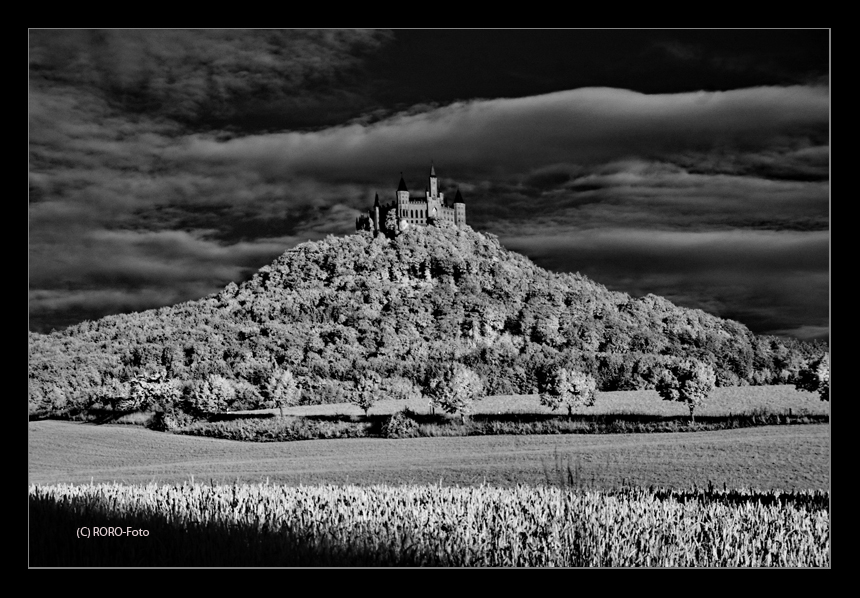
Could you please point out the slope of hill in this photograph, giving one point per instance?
(331, 309)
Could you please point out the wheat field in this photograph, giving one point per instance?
(415, 525)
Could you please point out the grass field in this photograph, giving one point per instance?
(770, 457)
(723, 401)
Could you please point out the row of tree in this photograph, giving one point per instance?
(453, 389)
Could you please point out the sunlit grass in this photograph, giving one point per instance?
(723, 401)
(430, 525)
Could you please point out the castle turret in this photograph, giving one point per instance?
(434, 182)
(402, 197)
(459, 209)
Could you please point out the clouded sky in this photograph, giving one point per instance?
(689, 164)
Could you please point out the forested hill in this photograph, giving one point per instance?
(331, 309)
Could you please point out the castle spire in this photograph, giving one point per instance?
(402, 186)
(376, 203)
(459, 198)
(434, 183)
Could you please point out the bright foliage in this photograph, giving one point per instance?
(282, 390)
(454, 388)
(815, 377)
(401, 308)
(567, 388)
(688, 381)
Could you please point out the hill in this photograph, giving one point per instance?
(331, 309)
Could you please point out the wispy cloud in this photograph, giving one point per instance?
(511, 136)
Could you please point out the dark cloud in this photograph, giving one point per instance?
(772, 281)
(107, 272)
(165, 163)
(267, 79)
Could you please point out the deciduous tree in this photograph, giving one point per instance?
(562, 387)
(454, 389)
(688, 381)
(153, 389)
(282, 390)
(212, 394)
(815, 377)
(367, 387)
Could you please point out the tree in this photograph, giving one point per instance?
(282, 390)
(212, 394)
(392, 224)
(815, 377)
(367, 387)
(153, 389)
(56, 399)
(454, 388)
(688, 381)
(114, 393)
(569, 388)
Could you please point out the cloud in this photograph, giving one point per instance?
(513, 136)
(103, 272)
(204, 76)
(143, 187)
(772, 281)
(679, 50)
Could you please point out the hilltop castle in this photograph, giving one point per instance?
(406, 211)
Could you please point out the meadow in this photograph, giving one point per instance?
(614, 412)
(768, 457)
(722, 401)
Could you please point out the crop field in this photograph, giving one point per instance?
(722, 401)
(265, 525)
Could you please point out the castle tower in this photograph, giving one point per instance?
(402, 198)
(459, 209)
(432, 190)
(434, 182)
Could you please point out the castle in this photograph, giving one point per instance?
(405, 211)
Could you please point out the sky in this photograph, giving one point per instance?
(691, 164)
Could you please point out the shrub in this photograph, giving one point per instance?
(168, 421)
(400, 425)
